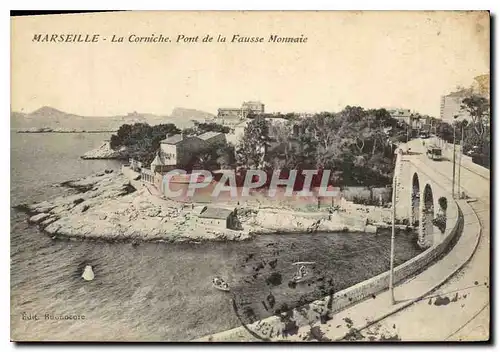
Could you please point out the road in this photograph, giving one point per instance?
(460, 309)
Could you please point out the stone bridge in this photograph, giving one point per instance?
(423, 196)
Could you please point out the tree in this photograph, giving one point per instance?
(307, 150)
(352, 144)
(189, 131)
(142, 140)
(226, 156)
(282, 154)
(202, 127)
(254, 144)
(444, 131)
(478, 108)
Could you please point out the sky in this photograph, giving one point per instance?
(370, 59)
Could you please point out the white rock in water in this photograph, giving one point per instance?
(88, 273)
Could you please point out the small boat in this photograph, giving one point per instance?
(298, 280)
(303, 263)
(302, 275)
(220, 284)
(88, 273)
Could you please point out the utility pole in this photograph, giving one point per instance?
(409, 128)
(460, 161)
(454, 155)
(393, 233)
(436, 138)
(430, 131)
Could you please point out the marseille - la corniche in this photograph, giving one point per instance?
(160, 38)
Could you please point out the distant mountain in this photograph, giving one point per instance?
(191, 114)
(49, 112)
(49, 117)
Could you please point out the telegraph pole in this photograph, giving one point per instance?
(454, 155)
(460, 161)
(393, 233)
(409, 128)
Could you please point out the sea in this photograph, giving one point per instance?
(159, 291)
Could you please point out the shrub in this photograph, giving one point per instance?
(440, 223)
(364, 201)
(443, 203)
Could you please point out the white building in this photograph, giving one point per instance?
(229, 113)
(255, 107)
(237, 132)
(401, 114)
(220, 217)
(231, 116)
(179, 150)
(176, 150)
(451, 103)
(451, 106)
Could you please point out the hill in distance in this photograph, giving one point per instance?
(192, 114)
(49, 112)
(50, 117)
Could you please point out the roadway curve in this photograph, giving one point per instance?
(460, 309)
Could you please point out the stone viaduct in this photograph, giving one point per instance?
(422, 197)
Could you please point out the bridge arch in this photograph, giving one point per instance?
(426, 226)
(423, 200)
(415, 200)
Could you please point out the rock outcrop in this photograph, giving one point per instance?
(105, 206)
(278, 221)
(104, 151)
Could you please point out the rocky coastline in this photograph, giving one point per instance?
(104, 151)
(106, 206)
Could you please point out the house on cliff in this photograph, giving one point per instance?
(179, 151)
(212, 138)
(219, 217)
(176, 151)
